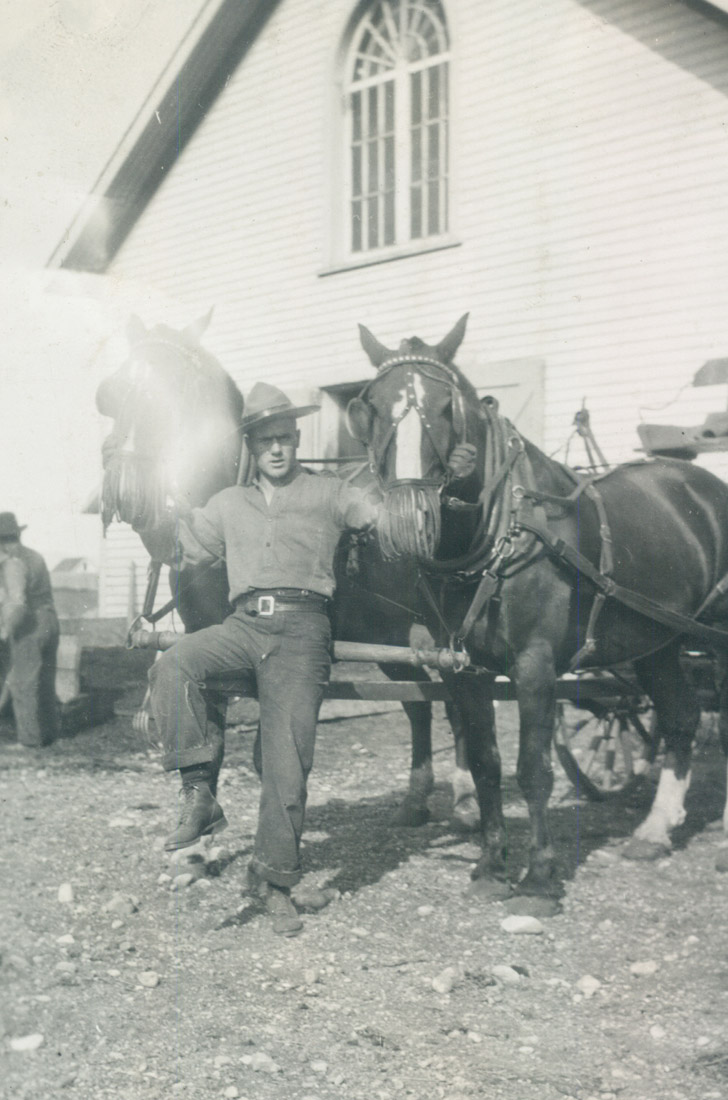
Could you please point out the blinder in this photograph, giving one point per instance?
(358, 418)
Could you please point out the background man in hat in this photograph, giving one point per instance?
(28, 623)
(278, 535)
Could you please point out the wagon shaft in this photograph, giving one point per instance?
(446, 659)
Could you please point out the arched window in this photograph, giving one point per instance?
(396, 96)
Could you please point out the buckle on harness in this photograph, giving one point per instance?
(266, 606)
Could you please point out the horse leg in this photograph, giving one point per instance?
(535, 678)
(473, 719)
(465, 810)
(678, 714)
(413, 810)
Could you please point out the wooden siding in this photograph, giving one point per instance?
(123, 574)
(589, 203)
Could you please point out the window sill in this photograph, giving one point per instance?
(386, 255)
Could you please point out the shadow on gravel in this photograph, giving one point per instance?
(360, 844)
(363, 845)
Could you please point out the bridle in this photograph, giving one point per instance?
(436, 371)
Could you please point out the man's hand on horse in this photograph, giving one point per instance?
(161, 541)
(461, 463)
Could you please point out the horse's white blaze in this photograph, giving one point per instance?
(408, 462)
(668, 809)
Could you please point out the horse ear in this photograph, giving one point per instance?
(135, 330)
(377, 352)
(196, 330)
(359, 419)
(449, 345)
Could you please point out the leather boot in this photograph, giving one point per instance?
(201, 815)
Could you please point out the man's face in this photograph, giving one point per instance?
(273, 445)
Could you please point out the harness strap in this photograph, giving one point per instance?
(583, 486)
(681, 624)
(484, 593)
(606, 567)
(424, 584)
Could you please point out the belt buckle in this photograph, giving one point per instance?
(266, 606)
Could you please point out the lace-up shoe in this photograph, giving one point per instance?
(201, 815)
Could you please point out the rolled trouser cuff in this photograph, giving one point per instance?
(270, 874)
(186, 758)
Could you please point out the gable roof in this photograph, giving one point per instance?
(219, 41)
(222, 35)
(69, 565)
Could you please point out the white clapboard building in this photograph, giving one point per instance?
(557, 169)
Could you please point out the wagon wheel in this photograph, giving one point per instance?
(605, 746)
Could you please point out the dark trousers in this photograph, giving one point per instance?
(32, 678)
(289, 655)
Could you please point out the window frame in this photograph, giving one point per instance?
(342, 256)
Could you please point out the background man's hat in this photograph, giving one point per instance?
(9, 526)
(265, 402)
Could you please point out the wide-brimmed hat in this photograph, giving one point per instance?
(9, 528)
(266, 402)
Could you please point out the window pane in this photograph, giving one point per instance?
(389, 164)
(433, 207)
(415, 212)
(373, 119)
(356, 187)
(389, 106)
(356, 116)
(372, 222)
(416, 91)
(389, 236)
(433, 104)
(416, 156)
(373, 175)
(356, 227)
(433, 151)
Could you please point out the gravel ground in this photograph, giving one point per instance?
(120, 981)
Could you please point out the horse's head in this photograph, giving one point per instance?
(176, 434)
(411, 416)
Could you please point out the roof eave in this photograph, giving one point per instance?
(224, 33)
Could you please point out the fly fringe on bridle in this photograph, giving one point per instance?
(409, 523)
(133, 492)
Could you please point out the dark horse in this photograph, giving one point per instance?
(529, 569)
(177, 440)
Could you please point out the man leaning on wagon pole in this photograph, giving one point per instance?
(278, 536)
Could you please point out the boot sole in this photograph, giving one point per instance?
(216, 827)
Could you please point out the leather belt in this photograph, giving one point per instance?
(265, 603)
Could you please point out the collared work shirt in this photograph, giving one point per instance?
(287, 543)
